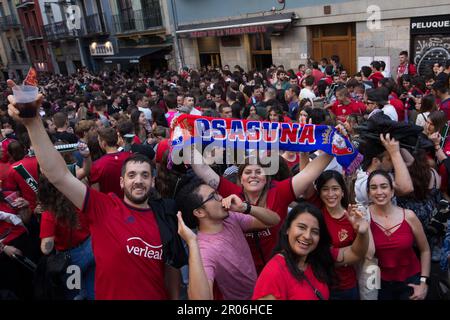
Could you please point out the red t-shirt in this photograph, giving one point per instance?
(318, 75)
(14, 231)
(341, 111)
(64, 238)
(276, 279)
(106, 171)
(14, 181)
(376, 77)
(445, 106)
(4, 145)
(127, 248)
(136, 140)
(399, 107)
(342, 235)
(279, 196)
(4, 171)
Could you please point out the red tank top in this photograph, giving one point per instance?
(394, 250)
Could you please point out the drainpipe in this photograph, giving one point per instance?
(177, 42)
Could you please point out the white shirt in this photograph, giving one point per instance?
(390, 111)
(195, 112)
(147, 112)
(306, 93)
(422, 119)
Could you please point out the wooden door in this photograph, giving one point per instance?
(339, 39)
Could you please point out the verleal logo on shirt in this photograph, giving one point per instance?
(141, 248)
(342, 234)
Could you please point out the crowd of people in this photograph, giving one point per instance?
(86, 183)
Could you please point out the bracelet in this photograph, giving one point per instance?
(249, 208)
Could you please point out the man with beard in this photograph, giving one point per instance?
(127, 239)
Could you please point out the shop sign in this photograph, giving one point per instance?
(431, 25)
(101, 49)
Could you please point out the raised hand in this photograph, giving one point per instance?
(390, 144)
(185, 233)
(233, 203)
(83, 149)
(357, 219)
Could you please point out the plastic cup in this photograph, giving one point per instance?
(11, 198)
(25, 97)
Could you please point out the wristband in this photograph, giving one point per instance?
(249, 208)
(425, 279)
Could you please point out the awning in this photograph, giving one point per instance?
(132, 55)
(269, 23)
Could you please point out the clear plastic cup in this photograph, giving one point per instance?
(25, 97)
(11, 198)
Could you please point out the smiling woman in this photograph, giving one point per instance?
(259, 189)
(302, 267)
(395, 231)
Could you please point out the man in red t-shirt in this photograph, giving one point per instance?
(126, 238)
(389, 84)
(344, 105)
(405, 67)
(376, 75)
(105, 172)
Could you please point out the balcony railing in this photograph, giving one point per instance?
(139, 20)
(32, 33)
(94, 24)
(8, 22)
(59, 30)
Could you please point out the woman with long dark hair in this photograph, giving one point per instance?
(139, 122)
(333, 201)
(64, 229)
(395, 232)
(302, 265)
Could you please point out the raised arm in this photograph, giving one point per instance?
(357, 251)
(262, 217)
(50, 161)
(199, 286)
(305, 178)
(203, 170)
(87, 162)
(403, 181)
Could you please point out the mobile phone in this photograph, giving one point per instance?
(27, 263)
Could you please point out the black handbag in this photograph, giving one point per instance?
(57, 263)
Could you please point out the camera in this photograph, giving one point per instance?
(438, 223)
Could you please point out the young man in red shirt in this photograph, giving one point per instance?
(344, 105)
(376, 75)
(405, 67)
(105, 172)
(126, 238)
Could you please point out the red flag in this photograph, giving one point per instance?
(31, 78)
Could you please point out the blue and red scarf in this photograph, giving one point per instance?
(264, 135)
